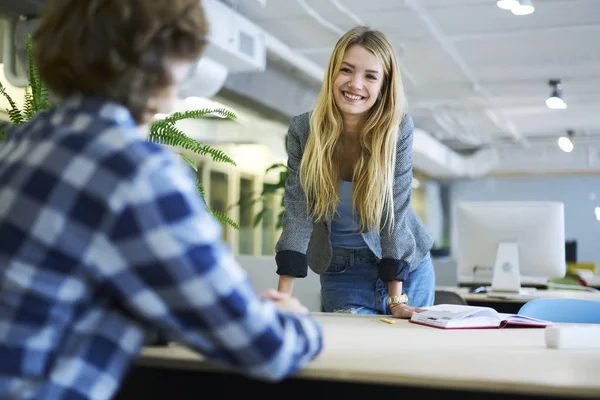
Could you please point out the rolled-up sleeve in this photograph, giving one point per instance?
(397, 251)
(296, 224)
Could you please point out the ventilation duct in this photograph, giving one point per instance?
(438, 160)
(235, 46)
(234, 40)
(205, 80)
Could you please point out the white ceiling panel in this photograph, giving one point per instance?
(481, 18)
(400, 24)
(534, 56)
(379, 6)
(314, 35)
(430, 64)
(273, 9)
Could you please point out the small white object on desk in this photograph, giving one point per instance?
(580, 336)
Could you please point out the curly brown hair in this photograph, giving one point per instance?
(116, 49)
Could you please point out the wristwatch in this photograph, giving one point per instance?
(402, 299)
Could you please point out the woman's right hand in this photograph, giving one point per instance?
(286, 284)
(284, 301)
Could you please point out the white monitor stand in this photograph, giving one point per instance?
(506, 273)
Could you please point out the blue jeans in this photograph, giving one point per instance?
(350, 284)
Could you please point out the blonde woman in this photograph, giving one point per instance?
(347, 198)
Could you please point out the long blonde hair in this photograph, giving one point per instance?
(373, 175)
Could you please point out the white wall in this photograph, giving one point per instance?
(261, 270)
(580, 195)
(434, 212)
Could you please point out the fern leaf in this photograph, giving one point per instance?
(220, 216)
(189, 162)
(224, 218)
(259, 217)
(163, 132)
(276, 166)
(39, 91)
(197, 114)
(2, 134)
(29, 107)
(201, 192)
(15, 115)
(170, 135)
(216, 155)
(33, 81)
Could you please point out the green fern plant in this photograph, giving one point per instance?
(164, 131)
(269, 189)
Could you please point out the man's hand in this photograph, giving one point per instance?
(404, 311)
(284, 301)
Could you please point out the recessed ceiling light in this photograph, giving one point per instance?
(507, 4)
(525, 8)
(565, 142)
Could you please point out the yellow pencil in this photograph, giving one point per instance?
(387, 320)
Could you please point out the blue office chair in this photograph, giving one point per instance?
(581, 311)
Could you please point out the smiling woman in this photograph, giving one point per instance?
(348, 194)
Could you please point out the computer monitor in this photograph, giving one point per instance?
(571, 251)
(510, 240)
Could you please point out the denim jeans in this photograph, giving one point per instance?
(350, 284)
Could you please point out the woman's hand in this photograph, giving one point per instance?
(404, 311)
(284, 301)
(286, 284)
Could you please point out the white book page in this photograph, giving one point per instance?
(452, 315)
(522, 319)
(455, 311)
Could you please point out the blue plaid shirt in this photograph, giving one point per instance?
(104, 238)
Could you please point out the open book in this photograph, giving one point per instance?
(451, 316)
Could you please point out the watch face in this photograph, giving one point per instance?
(402, 299)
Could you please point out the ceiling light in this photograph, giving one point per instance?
(597, 212)
(525, 7)
(555, 100)
(508, 4)
(565, 143)
(556, 103)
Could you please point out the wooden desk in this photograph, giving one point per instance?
(511, 303)
(466, 282)
(363, 356)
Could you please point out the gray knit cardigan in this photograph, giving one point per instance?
(304, 243)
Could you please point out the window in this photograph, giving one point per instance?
(269, 220)
(246, 223)
(219, 193)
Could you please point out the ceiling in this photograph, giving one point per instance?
(476, 76)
